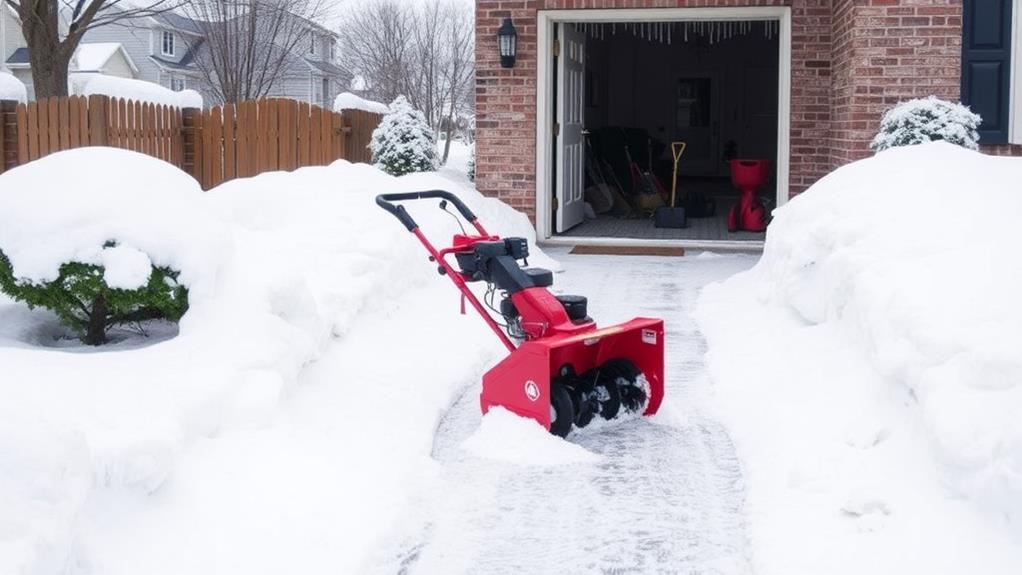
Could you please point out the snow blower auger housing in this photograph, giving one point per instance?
(562, 369)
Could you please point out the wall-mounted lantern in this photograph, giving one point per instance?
(507, 41)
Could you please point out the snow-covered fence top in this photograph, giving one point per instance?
(214, 145)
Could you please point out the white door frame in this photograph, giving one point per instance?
(545, 89)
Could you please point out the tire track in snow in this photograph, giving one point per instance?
(665, 496)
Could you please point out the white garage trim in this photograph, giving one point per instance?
(1015, 90)
(545, 104)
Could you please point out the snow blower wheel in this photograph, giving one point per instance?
(550, 339)
(562, 410)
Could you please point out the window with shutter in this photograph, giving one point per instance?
(986, 65)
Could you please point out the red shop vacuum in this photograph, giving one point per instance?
(562, 370)
(749, 214)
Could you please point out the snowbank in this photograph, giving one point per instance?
(349, 101)
(279, 267)
(12, 88)
(505, 436)
(869, 368)
(139, 90)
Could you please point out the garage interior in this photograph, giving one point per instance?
(712, 85)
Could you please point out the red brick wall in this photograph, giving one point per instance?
(851, 61)
(886, 51)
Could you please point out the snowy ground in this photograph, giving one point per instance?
(343, 483)
(660, 496)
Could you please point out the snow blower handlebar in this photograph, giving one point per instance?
(462, 243)
(385, 201)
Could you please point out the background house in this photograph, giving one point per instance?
(800, 83)
(165, 49)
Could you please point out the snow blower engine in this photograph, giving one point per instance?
(562, 370)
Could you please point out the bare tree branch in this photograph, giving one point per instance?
(420, 50)
(251, 46)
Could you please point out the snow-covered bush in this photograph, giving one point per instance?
(926, 120)
(103, 237)
(472, 163)
(90, 298)
(404, 143)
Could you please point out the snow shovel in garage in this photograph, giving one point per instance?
(562, 370)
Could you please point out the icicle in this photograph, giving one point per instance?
(670, 28)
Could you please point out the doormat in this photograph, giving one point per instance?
(627, 251)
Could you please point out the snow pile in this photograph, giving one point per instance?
(12, 88)
(88, 84)
(928, 120)
(869, 369)
(505, 436)
(278, 267)
(349, 101)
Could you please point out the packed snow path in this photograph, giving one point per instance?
(664, 497)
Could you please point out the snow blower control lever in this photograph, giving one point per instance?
(562, 370)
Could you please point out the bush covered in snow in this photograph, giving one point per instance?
(472, 163)
(926, 120)
(89, 298)
(404, 143)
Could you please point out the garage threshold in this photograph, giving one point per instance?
(743, 246)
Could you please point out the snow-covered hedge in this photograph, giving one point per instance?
(12, 88)
(404, 143)
(928, 120)
(90, 298)
(137, 90)
(348, 101)
(870, 369)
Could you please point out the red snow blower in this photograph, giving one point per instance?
(562, 370)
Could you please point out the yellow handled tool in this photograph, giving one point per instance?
(677, 149)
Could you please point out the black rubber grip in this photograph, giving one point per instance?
(385, 201)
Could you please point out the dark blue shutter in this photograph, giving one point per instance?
(986, 65)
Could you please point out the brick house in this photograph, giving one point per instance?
(800, 83)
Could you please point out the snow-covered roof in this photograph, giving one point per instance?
(18, 58)
(11, 88)
(94, 57)
(85, 84)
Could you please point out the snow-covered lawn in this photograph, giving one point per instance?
(870, 370)
(99, 448)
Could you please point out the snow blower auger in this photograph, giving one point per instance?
(562, 370)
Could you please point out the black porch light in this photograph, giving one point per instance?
(507, 42)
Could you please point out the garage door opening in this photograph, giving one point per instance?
(624, 92)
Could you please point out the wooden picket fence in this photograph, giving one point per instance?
(214, 145)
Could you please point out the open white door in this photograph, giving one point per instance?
(570, 114)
